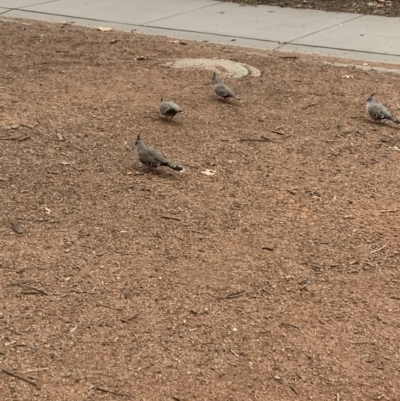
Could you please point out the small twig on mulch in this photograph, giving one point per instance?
(16, 138)
(8, 138)
(81, 292)
(18, 376)
(363, 343)
(122, 253)
(379, 249)
(21, 125)
(128, 319)
(233, 295)
(269, 247)
(309, 105)
(262, 139)
(29, 289)
(104, 390)
(24, 138)
(277, 132)
(171, 218)
(19, 138)
(33, 290)
(234, 353)
(294, 389)
(290, 325)
(31, 127)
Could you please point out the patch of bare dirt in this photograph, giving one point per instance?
(275, 278)
(388, 8)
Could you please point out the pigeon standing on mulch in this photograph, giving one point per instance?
(222, 90)
(169, 109)
(378, 112)
(152, 158)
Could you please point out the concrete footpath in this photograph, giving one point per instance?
(356, 36)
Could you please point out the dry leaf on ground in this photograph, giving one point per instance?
(105, 29)
(209, 172)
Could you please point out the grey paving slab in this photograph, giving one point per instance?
(367, 34)
(22, 13)
(147, 30)
(229, 40)
(3, 10)
(262, 22)
(21, 3)
(123, 11)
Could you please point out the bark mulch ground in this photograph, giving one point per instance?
(275, 278)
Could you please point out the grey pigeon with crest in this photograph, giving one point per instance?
(222, 90)
(152, 158)
(378, 112)
(169, 109)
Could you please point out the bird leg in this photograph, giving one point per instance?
(145, 168)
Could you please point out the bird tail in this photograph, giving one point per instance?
(175, 167)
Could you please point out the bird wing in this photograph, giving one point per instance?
(174, 106)
(223, 90)
(151, 156)
(378, 110)
(385, 111)
(169, 107)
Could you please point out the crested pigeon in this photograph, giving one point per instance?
(378, 112)
(152, 158)
(169, 109)
(221, 89)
